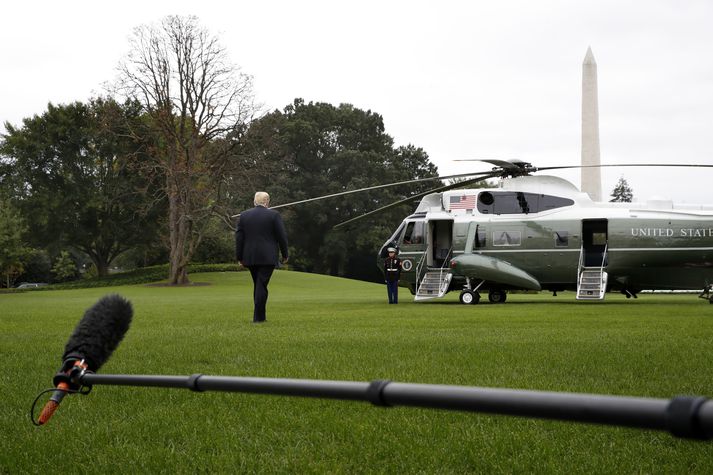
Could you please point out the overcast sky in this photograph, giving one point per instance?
(459, 79)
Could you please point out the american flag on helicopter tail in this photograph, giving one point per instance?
(463, 202)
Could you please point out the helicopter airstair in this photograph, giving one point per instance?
(435, 281)
(592, 283)
(434, 284)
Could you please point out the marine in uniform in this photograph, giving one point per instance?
(392, 274)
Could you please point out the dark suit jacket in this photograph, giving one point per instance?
(260, 231)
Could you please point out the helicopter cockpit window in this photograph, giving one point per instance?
(414, 233)
(392, 241)
(510, 202)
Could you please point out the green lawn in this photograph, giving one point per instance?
(327, 328)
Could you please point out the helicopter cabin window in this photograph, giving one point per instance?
(507, 238)
(561, 239)
(414, 233)
(511, 202)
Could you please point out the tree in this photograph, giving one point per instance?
(12, 246)
(64, 267)
(217, 245)
(198, 104)
(622, 192)
(68, 172)
(315, 149)
(37, 267)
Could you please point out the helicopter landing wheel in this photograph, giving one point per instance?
(469, 297)
(629, 293)
(497, 296)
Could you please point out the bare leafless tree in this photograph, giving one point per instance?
(195, 99)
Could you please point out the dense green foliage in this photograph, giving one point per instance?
(64, 267)
(316, 149)
(82, 177)
(13, 251)
(69, 172)
(337, 329)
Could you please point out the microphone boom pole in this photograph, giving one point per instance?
(683, 416)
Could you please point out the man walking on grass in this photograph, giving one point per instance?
(260, 231)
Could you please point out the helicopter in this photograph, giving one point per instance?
(539, 232)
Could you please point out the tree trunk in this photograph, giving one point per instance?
(102, 267)
(178, 272)
(178, 258)
(101, 263)
(99, 259)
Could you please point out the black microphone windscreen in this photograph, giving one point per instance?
(101, 329)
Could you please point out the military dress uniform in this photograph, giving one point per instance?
(392, 273)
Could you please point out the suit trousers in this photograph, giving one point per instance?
(261, 277)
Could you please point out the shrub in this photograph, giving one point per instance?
(64, 267)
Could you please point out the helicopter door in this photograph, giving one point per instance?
(440, 242)
(594, 242)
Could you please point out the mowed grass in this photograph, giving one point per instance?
(336, 329)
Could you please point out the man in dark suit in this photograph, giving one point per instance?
(260, 231)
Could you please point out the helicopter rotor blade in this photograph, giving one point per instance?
(515, 167)
(503, 163)
(377, 187)
(516, 164)
(416, 196)
(613, 165)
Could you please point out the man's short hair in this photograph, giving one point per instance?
(261, 199)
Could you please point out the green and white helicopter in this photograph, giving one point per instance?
(536, 232)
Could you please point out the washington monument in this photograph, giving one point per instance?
(591, 177)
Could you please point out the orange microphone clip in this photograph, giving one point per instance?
(65, 382)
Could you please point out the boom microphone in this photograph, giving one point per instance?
(93, 341)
